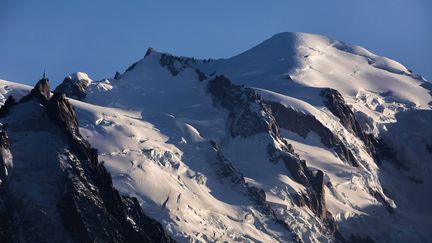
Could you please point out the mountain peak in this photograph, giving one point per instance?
(300, 128)
(41, 91)
(75, 85)
(149, 51)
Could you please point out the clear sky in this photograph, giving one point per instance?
(101, 37)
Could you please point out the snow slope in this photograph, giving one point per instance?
(154, 126)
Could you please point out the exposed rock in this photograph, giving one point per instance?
(148, 52)
(41, 92)
(337, 105)
(74, 86)
(243, 105)
(302, 124)
(135, 227)
(90, 208)
(117, 76)
(5, 155)
(9, 103)
(318, 186)
(201, 75)
(314, 197)
(374, 146)
(62, 113)
(175, 64)
(5, 216)
(131, 66)
(248, 116)
(380, 198)
(256, 194)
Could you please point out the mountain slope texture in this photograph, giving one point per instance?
(300, 139)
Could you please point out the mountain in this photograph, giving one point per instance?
(300, 139)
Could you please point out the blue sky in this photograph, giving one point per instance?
(102, 37)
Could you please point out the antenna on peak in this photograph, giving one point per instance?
(44, 75)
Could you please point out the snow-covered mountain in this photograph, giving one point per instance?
(299, 139)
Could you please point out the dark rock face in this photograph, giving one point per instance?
(314, 196)
(6, 223)
(380, 198)
(227, 169)
(61, 113)
(75, 89)
(175, 64)
(374, 146)
(302, 124)
(337, 105)
(239, 101)
(118, 212)
(248, 116)
(131, 67)
(41, 92)
(4, 110)
(4, 153)
(256, 195)
(318, 186)
(201, 75)
(117, 76)
(148, 52)
(90, 208)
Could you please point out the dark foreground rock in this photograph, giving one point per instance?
(89, 208)
(40, 92)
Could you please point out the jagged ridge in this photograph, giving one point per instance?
(91, 209)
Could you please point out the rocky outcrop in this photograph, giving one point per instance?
(313, 198)
(201, 75)
(6, 227)
(89, 207)
(256, 195)
(117, 76)
(302, 124)
(121, 217)
(131, 67)
(74, 86)
(9, 103)
(5, 155)
(40, 92)
(334, 101)
(175, 64)
(61, 113)
(248, 116)
(376, 147)
(243, 105)
(149, 51)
